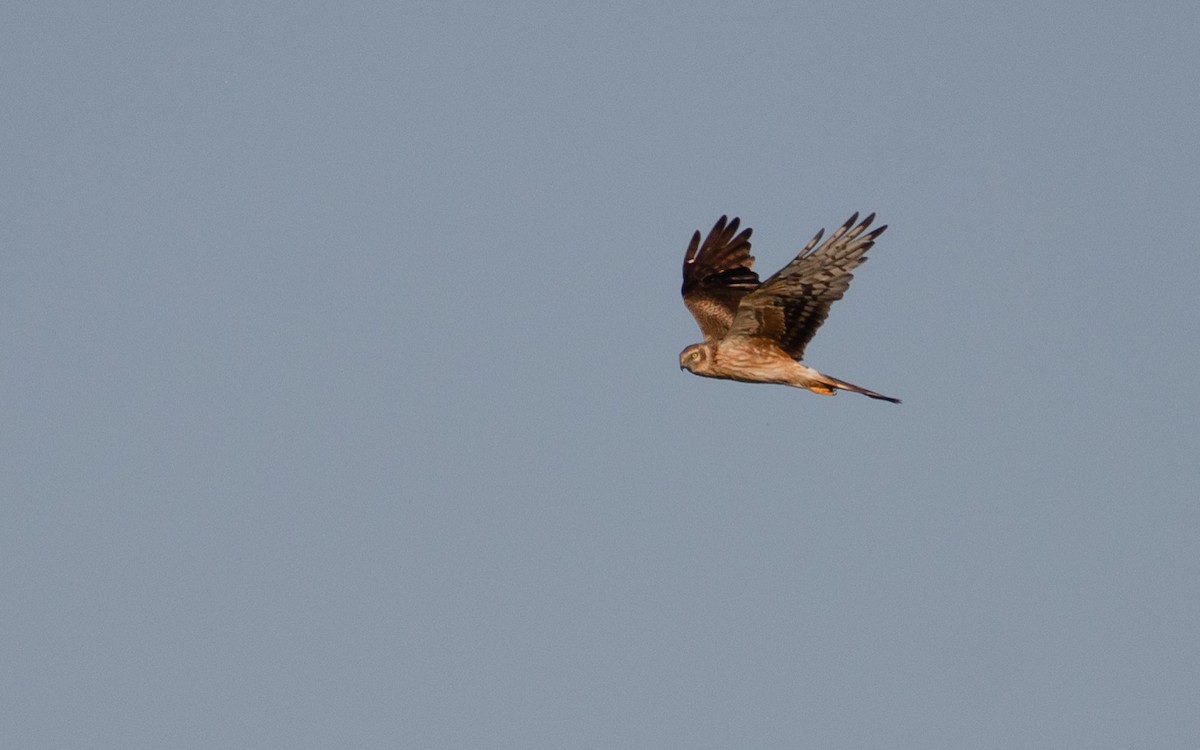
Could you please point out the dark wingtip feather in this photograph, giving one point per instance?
(693, 247)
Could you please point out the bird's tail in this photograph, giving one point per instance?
(827, 385)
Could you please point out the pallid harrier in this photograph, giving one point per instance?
(756, 332)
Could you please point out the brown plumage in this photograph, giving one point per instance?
(756, 332)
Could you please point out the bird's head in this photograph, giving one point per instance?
(696, 358)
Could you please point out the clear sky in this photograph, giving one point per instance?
(341, 405)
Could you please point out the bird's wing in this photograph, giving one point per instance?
(717, 275)
(790, 306)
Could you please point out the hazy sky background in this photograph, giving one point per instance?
(341, 406)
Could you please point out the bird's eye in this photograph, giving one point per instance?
(694, 355)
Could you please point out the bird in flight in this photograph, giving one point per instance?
(756, 331)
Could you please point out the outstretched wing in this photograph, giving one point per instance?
(717, 275)
(791, 305)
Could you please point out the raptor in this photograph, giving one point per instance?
(756, 331)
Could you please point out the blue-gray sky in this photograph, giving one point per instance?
(341, 405)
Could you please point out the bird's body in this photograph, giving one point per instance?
(750, 360)
(756, 332)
